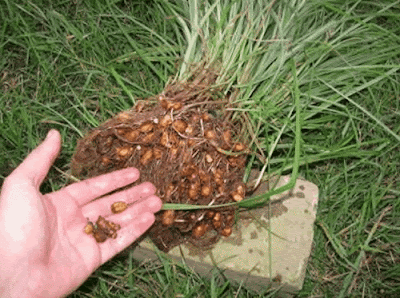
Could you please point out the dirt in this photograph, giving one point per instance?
(185, 143)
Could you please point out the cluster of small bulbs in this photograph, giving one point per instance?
(200, 150)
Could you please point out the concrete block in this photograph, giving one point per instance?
(269, 247)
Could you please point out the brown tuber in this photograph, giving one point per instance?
(209, 158)
(168, 217)
(190, 171)
(226, 231)
(132, 135)
(166, 120)
(218, 177)
(146, 157)
(177, 106)
(118, 207)
(210, 135)
(180, 126)
(217, 216)
(199, 230)
(193, 190)
(237, 197)
(168, 105)
(210, 214)
(217, 220)
(123, 152)
(204, 177)
(216, 224)
(100, 236)
(89, 228)
(206, 190)
(206, 117)
(164, 140)
(241, 189)
(239, 147)
(146, 127)
(164, 103)
(239, 193)
(189, 130)
(123, 116)
(105, 160)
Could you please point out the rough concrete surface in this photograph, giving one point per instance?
(269, 247)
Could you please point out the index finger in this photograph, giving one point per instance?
(87, 190)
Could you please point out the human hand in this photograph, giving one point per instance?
(44, 251)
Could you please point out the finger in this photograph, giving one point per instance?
(90, 189)
(37, 164)
(149, 204)
(126, 236)
(103, 206)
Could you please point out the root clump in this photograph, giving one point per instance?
(184, 142)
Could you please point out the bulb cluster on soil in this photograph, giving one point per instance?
(185, 144)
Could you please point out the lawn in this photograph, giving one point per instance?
(318, 82)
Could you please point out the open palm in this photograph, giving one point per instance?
(44, 250)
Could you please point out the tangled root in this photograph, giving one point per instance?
(184, 143)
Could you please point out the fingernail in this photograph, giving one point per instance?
(133, 174)
(51, 133)
(155, 203)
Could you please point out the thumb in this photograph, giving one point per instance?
(37, 164)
